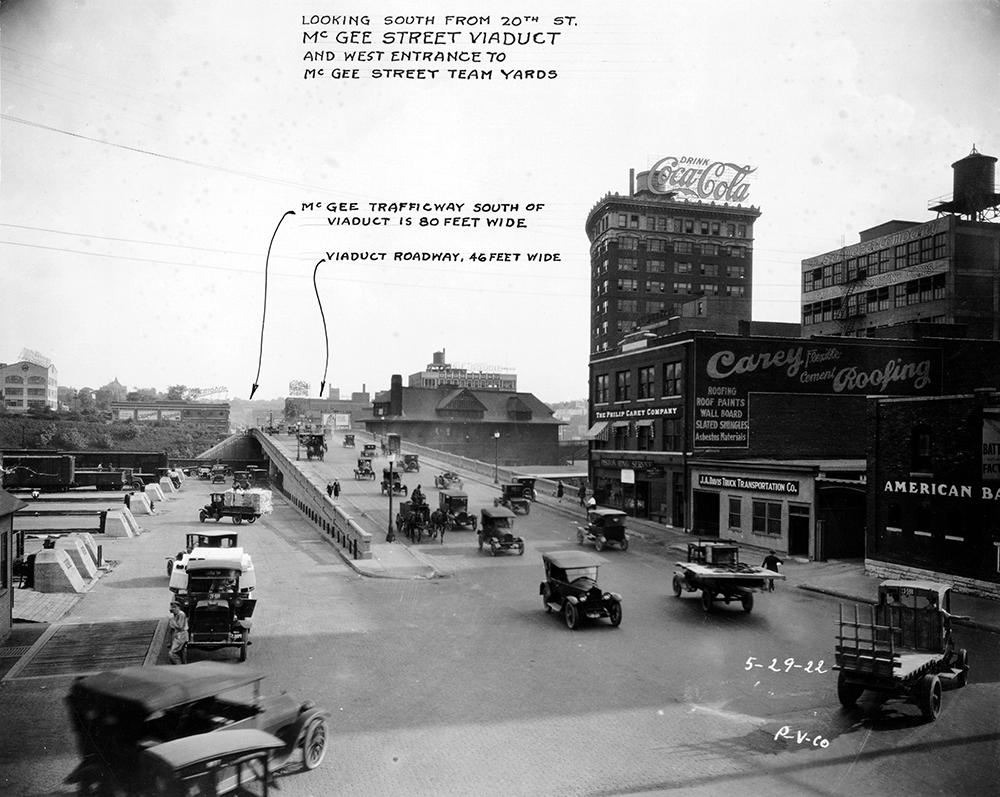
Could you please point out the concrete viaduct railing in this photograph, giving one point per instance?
(309, 495)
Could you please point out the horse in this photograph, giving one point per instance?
(440, 521)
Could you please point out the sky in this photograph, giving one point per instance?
(169, 172)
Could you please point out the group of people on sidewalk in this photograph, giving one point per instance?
(333, 489)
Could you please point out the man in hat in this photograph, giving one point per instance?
(178, 627)
(771, 562)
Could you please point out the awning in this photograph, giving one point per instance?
(643, 423)
(620, 425)
(599, 431)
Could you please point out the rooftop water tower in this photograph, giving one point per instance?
(974, 196)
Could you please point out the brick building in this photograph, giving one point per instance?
(466, 422)
(941, 272)
(682, 423)
(209, 415)
(934, 476)
(681, 232)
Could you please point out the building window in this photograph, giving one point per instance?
(623, 384)
(913, 253)
(683, 268)
(899, 256)
(671, 435)
(621, 429)
(628, 242)
(622, 220)
(655, 286)
(601, 389)
(704, 227)
(628, 305)
(738, 251)
(15, 380)
(673, 379)
(683, 248)
(739, 272)
(767, 518)
(628, 286)
(644, 437)
(710, 249)
(683, 287)
(628, 264)
(655, 308)
(731, 230)
(736, 514)
(709, 269)
(715, 228)
(735, 290)
(920, 447)
(689, 225)
(940, 245)
(647, 382)
(710, 288)
(656, 245)
(656, 267)
(625, 326)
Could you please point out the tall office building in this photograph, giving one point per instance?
(682, 231)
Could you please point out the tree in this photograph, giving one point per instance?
(141, 394)
(176, 392)
(291, 409)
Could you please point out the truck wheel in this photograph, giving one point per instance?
(747, 601)
(962, 665)
(202, 515)
(929, 696)
(237, 519)
(252, 519)
(678, 587)
(314, 744)
(847, 692)
(706, 600)
(624, 543)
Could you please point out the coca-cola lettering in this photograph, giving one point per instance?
(696, 177)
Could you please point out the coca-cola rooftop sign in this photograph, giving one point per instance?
(701, 178)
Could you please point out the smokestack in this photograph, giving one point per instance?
(396, 396)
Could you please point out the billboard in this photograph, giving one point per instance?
(729, 372)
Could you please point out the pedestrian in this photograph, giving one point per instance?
(559, 490)
(771, 562)
(178, 627)
(583, 494)
(329, 489)
(591, 503)
(336, 488)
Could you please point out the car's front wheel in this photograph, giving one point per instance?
(615, 614)
(546, 597)
(572, 615)
(314, 744)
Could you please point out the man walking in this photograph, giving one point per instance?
(771, 562)
(583, 494)
(336, 488)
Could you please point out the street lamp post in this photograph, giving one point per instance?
(298, 441)
(496, 456)
(390, 535)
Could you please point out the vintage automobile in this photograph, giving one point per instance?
(455, 505)
(204, 473)
(513, 498)
(529, 486)
(715, 569)
(212, 764)
(120, 714)
(414, 520)
(604, 526)
(368, 452)
(570, 587)
(448, 479)
(348, 441)
(216, 509)
(904, 649)
(218, 601)
(364, 470)
(496, 531)
(410, 463)
(210, 538)
(242, 480)
(392, 480)
(219, 474)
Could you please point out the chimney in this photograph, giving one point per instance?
(396, 396)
